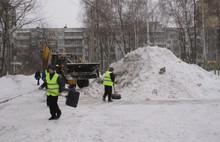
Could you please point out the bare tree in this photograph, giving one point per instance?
(116, 27)
(99, 21)
(182, 13)
(14, 14)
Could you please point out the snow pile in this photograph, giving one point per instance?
(18, 84)
(138, 72)
(138, 77)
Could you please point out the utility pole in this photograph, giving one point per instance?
(99, 43)
(92, 50)
(194, 51)
(148, 28)
(203, 33)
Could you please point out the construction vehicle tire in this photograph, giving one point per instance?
(82, 83)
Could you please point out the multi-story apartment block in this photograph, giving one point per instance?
(69, 40)
(28, 43)
(157, 34)
(208, 13)
(208, 26)
(75, 42)
(172, 41)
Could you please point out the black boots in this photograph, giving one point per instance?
(58, 115)
(108, 99)
(55, 117)
(52, 118)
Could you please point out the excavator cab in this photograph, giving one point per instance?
(59, 60)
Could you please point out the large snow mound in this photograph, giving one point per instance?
(138, 77)
(138, 72)
(18, 83)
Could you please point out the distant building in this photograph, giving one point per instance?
(208, 19)
(172, 41)
(28, 43)
(157, 34)
(211, 9)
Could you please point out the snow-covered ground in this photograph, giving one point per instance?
(181, 105)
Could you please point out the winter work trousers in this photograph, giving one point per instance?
(52, 103)
(38, 81)
(108, 92)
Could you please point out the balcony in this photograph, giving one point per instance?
(73, 37)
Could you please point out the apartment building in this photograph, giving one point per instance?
(157, 34)
(28, 43)
(208, 27)
(172, 41)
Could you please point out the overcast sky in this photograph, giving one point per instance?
(62, 12)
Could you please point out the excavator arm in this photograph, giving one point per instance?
(45, 57)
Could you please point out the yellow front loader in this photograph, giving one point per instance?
(72, 72)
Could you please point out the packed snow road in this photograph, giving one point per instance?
(25, 118)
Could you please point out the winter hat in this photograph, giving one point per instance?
(51, 67)
(111, 69)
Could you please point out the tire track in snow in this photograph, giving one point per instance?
(14, 97)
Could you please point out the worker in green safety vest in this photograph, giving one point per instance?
(54, 87)
(109, 79)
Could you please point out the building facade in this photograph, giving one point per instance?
(208, 26)
(28, 44)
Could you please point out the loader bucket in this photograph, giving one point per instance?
(81, 71)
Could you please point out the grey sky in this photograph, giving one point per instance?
(62, 12)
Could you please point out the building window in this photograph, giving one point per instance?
(73, 42)
(23, 34)
(73, 34)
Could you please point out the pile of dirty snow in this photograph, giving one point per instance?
(138, 77)
(18, 84)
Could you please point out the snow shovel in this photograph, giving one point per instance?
(116, 95)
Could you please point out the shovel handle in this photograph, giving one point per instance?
(114, 89)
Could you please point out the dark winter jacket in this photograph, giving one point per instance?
(112, 75)
(37, 75)
(43, 75)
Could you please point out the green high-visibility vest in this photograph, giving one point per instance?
(107, 79)
(52, 86)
